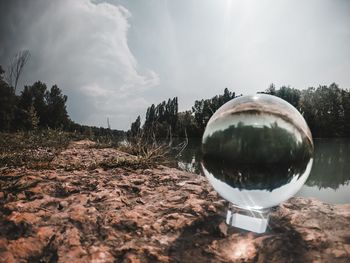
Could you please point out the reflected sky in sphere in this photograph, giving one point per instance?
(257, 151)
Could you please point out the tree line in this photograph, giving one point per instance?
(165, 121)
(326, 109)
(38, 107)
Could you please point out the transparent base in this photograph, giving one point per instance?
(248, 219)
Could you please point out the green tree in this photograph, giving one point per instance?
(186, 125)
(271, 89)
(204, 109)
(7, 103)
(33, 118)
(135, 129)
(161, 120)
(324, 110)
(287, 93)
(56, 108)
(346, 115)
(50, 106)
(35, 95)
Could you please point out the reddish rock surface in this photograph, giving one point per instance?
(82, 214)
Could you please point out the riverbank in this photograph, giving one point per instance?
(79, 208)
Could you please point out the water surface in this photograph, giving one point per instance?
(329, 180)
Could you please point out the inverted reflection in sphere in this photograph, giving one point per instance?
(257, 151)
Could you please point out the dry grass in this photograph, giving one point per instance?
(32, 149)
(36, 150)
(141, 155)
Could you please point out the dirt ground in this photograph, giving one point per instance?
(76, 211)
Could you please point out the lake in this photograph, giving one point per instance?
(329, 180)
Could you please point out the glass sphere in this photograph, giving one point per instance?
(257, 151)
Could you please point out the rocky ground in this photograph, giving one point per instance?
(78, 210)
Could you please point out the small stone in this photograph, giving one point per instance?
(223, 229)
(131, 258)
(339, 253)
(347, 248)
(21, 196)
(212, 208)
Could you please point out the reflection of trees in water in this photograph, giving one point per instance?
(192, 155)
(254, 176)
(331, 166)
(256, 157)
(251, 144)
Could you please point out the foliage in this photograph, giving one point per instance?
(165, 122)
(187, 125)
(161, 120)
(326, 109)
(101, 135)
(34, 119)
(271, 144)
(204, 109)
(144, 157)
(49, 107)
(135, 128)
(287, 93)
(146, 154)
(7, 101)
(38, 107)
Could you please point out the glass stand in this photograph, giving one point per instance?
(251, 220)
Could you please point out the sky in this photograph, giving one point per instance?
(115, 58)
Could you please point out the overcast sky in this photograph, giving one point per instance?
(115, 58)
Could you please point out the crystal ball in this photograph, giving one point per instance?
(257, 151)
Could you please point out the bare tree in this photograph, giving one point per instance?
(15, 68)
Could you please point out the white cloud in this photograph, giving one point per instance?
(83, 47)
(94, 90)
